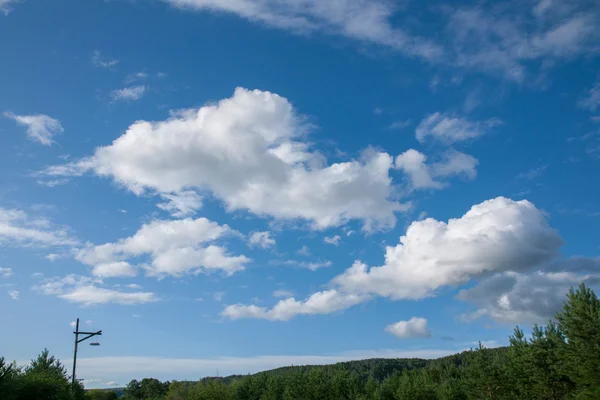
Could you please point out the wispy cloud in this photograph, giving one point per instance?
(52, 182)
(40, 128)
(130, 93)
(21, 229)
(334, 240)
(88, 291)
(100, 61)
(502, 38)
(591, 100)
(283, 293)
(450, 128)
(363, 20)
(5, 6)
(533, 173)
(138, 76)
(401, 124)
(261, 239)
(6, 272)
(313, 266)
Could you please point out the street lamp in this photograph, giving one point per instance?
(77, 341)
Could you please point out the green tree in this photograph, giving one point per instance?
(46, 379)
(178, 391)
(209, 390)
(96, 394)
(579, 320)
(485, 377)
(545, 364)
(9, 374)
(153, 389)
(517, 368)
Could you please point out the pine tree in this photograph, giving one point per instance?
(46, 378)
(518, 366)
(485, 378)
(8, 379)
(579, 320)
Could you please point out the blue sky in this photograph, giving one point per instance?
(240, 185)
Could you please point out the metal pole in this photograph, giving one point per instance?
(75, 352)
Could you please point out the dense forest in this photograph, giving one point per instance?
(559, 361)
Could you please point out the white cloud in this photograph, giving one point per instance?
(52, 257)
(19, 228)
(413, 328)
(5, 6)
(591, 101)
(363, 20)
(130, 93)
(218, 296)
(313, 266)
(87, 291)
(512, 297)
(88, 322)
(449, 129)
(14, 294)
(40, 128)
(175, 248)
(413, 164)
(73, 324)
(334, 240)
(303, 251)
(423, 176)
(542, 7)
(261, 239)
(133, 286)
(112, 383)
(183, 204)
(324, 302)
(504, 40)
(283, 293)
(99, 61)
(494, 236)
(91, 295)
(114, 270)
(6, 272)
(248, 151)
(138, 76)
(52, 183)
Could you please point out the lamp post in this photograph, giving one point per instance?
(77, 341)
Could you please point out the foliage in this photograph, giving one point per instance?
(97, 394)
(45, 378)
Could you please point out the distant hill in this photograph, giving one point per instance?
(379, 368)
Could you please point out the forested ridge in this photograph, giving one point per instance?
(558, 361)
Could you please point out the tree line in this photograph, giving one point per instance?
(560, 360)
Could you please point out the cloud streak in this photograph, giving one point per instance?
(40, 128)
